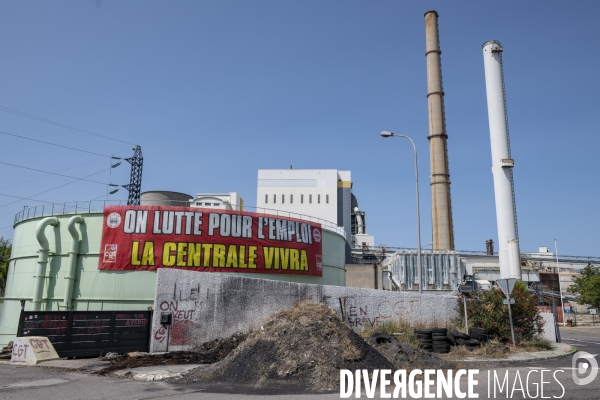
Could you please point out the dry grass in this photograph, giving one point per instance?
(535, 344)
(404, 330)
(492, 349)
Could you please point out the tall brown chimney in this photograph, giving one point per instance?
(441, 208)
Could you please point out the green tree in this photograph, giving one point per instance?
(587, 285)
(5, 249)
(486, 310)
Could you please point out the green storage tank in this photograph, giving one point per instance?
(41, 274)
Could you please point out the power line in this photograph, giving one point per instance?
(24, 198)
(54, 144)
(49, 190)
(22, 114)
(46, 202)
(54, 173)
(50, 173)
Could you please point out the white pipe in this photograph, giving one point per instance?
(360, 226)
(42, 260)
(502, 164)
(71, 273)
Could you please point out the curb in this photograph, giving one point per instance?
(571, 351)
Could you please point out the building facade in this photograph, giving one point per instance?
(324, 194)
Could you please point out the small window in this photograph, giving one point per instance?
(217, 204)
(301, 199)
(319, 198)
(274, 198)
(266, 198)
(291, 198)
(283, 199)
(327, 198)
(310, 198)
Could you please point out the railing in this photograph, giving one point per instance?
(89, 206)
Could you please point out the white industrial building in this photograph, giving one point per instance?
(324, 194)
(223, 201)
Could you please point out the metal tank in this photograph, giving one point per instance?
(502, 162)
(165, 198)
(54, 266)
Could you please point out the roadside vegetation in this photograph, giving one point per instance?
(5, 249)
(587, 285)
(485, 309)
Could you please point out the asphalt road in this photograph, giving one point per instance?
(45, 383)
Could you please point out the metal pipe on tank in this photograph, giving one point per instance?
(502, 163)
(71, 272)
(441, 208)
(42, 260)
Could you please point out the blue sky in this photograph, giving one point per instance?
(215, 90)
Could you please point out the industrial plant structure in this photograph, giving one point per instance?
(502, 162)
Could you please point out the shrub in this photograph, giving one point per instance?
(486, 310)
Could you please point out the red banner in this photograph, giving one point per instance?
(203, 239)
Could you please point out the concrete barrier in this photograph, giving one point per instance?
(206, 306)
(32, 350)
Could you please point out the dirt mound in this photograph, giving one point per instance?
(207, 353)
(404, 355)
(306, 345)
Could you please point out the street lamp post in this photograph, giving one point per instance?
(562, 302)
(389, 134)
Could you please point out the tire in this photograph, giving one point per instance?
(439, 336)
(477, 330)
(451, 338)
(421, 336)
(428, 347)
(424, 331)
(381, 338)
(481, 338)
(460, 335)
(442, 351)
(460, 341)
(439, 330)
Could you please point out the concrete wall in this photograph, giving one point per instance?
(549, 332)
(363, 276)
(209, 306)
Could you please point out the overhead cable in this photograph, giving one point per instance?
(50, 173)
(49, 190)
(54, 173)
(22, 114)
(54, 144)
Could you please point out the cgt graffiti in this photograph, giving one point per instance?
(360, 315)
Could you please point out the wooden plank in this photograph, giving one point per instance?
(91, 323)
(90, 338)
(135, 329)
(132, 322)
(131, 336)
